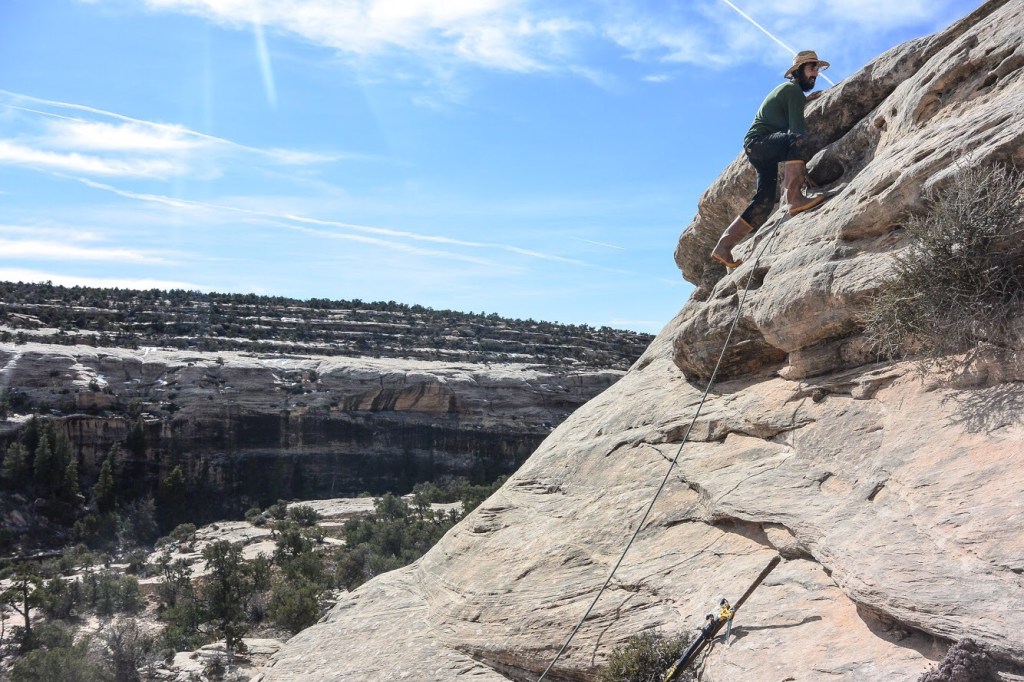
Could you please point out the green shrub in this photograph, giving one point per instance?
(108, 593)
(61, 664)
(138, 523)
(53, 635)
(278, 511)
(128, 648)
(644, 658)
(183, 532)
(295, 605)
(304, 515)
(255, 517)
(61, 599)
(960, 281)
(456, 490)
(393, 537)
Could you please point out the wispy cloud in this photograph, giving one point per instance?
(132, 136)
(395, 246)
(37, 249)
(396, 239)
(51, 232)
(65, 279)
(501, 34)
(604, 244)
(15, 154)
(83, 140)
(535, 36)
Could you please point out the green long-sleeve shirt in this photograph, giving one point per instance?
(782, 110)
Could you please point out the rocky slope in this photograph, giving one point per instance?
(892, 499)
(248, 428)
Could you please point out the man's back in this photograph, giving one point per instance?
(781, 111)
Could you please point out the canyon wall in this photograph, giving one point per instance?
(255, 428)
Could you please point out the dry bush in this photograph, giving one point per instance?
(965, 661)
(959, 284)
(645, 658)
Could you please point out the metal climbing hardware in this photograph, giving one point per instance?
(713, 624)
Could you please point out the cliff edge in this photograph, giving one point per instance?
(893, 499)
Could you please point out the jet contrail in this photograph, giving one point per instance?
(765, 31)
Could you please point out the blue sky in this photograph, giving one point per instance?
(533, 159)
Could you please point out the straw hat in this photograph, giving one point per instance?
(806, 57)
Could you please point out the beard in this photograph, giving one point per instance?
(806, 83)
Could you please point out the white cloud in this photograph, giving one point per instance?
(71, 138)
(133, 136)
(64, 279)
(490, 32)
(15, 154)
(290, 157)
(35, 249)
(53, 233)
(537, 36)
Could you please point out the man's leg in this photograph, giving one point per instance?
(795, 177)
(733, 235)
(757, 212)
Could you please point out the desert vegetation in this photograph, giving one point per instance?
(645, 657)
(959, 285)
(75, 549)
(271, 594)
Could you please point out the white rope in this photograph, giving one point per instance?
(686, 436)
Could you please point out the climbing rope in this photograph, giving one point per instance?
(686, 436)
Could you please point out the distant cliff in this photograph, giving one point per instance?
(894, 501)
(249, 429)
(213, 322)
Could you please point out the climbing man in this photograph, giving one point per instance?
(777, 135)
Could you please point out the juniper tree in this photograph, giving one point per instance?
(103, 491)
(17, 469)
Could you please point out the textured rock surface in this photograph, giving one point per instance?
(243, 420)
(897, 127)
(895, 501)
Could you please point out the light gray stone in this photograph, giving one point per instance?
(893, 500)
(901, 125)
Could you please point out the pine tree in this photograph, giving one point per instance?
(226, 590)
(43, 465)
(103, 491)
(172, 500)
(17, 470)
(70, 488)
(63, 450)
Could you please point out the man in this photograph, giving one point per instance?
(777, 135)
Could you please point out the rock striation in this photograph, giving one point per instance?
(261, 427)
(894, 500)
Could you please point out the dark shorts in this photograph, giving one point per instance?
(765, 154)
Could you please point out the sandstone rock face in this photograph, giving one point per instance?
(271, 426)
(899, 126)
(893, 500)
